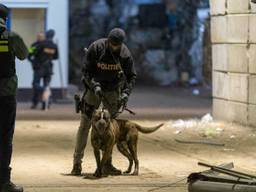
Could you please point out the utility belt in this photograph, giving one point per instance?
(109, 86)
(106, 86)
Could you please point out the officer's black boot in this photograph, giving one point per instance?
(33, 106)
(109, 169)
(43, 106)
(10, 187)
(77, 169)
(5, 183)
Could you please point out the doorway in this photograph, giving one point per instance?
(27, 22)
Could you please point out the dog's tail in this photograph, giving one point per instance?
(147, 130)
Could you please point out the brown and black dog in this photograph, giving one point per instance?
(107, 132)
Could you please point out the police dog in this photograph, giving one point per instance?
(106, 132)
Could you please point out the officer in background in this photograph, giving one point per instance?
(47, 51)
(33, 58)
(108, 62)
(11, 46)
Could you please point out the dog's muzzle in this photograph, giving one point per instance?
(102, 123)
(101, 126)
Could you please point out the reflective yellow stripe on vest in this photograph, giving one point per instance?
(4, 46)
(3, 42)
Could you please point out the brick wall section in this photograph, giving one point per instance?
(233, 27)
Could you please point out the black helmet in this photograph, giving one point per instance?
(50, 34)
(116, 36)
(3, 11)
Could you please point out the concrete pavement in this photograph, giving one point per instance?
(44, 144)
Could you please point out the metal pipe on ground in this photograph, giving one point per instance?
(206, 186)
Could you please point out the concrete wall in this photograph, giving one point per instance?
(233, 27)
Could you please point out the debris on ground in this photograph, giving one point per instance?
(232, 136)
(228, 150)
(206, 142)
(207, 118)
(204, 127)
(252, 135)
(211, 181)
(212, 131)
(181, 124)
(177, 132)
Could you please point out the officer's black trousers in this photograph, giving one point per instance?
(40, 74)
(37, 89)
(7, 124)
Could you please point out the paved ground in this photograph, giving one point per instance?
(44, 145)
(151, 103)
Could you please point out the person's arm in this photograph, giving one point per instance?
(91, 60)
(56, 54)
(89, 68)
(130, 73)
(18, 46)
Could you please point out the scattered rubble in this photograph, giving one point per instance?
(228, 150)
(232, 136)
(207, 118)
(206, 128)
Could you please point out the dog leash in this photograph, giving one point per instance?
(124, 107)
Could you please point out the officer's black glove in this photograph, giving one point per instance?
(98, 91)
(124, 98)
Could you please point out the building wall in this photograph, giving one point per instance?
(28, 22)
(233, 29)
(56, 17)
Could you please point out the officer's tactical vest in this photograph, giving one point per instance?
(8, 78)
(7, 63)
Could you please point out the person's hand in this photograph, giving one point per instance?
(98, 91)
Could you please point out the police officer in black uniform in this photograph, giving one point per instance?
(109, 77)
(33, 58)
(46, 52)
(11, 46)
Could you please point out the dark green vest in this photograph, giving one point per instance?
(8, 78)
